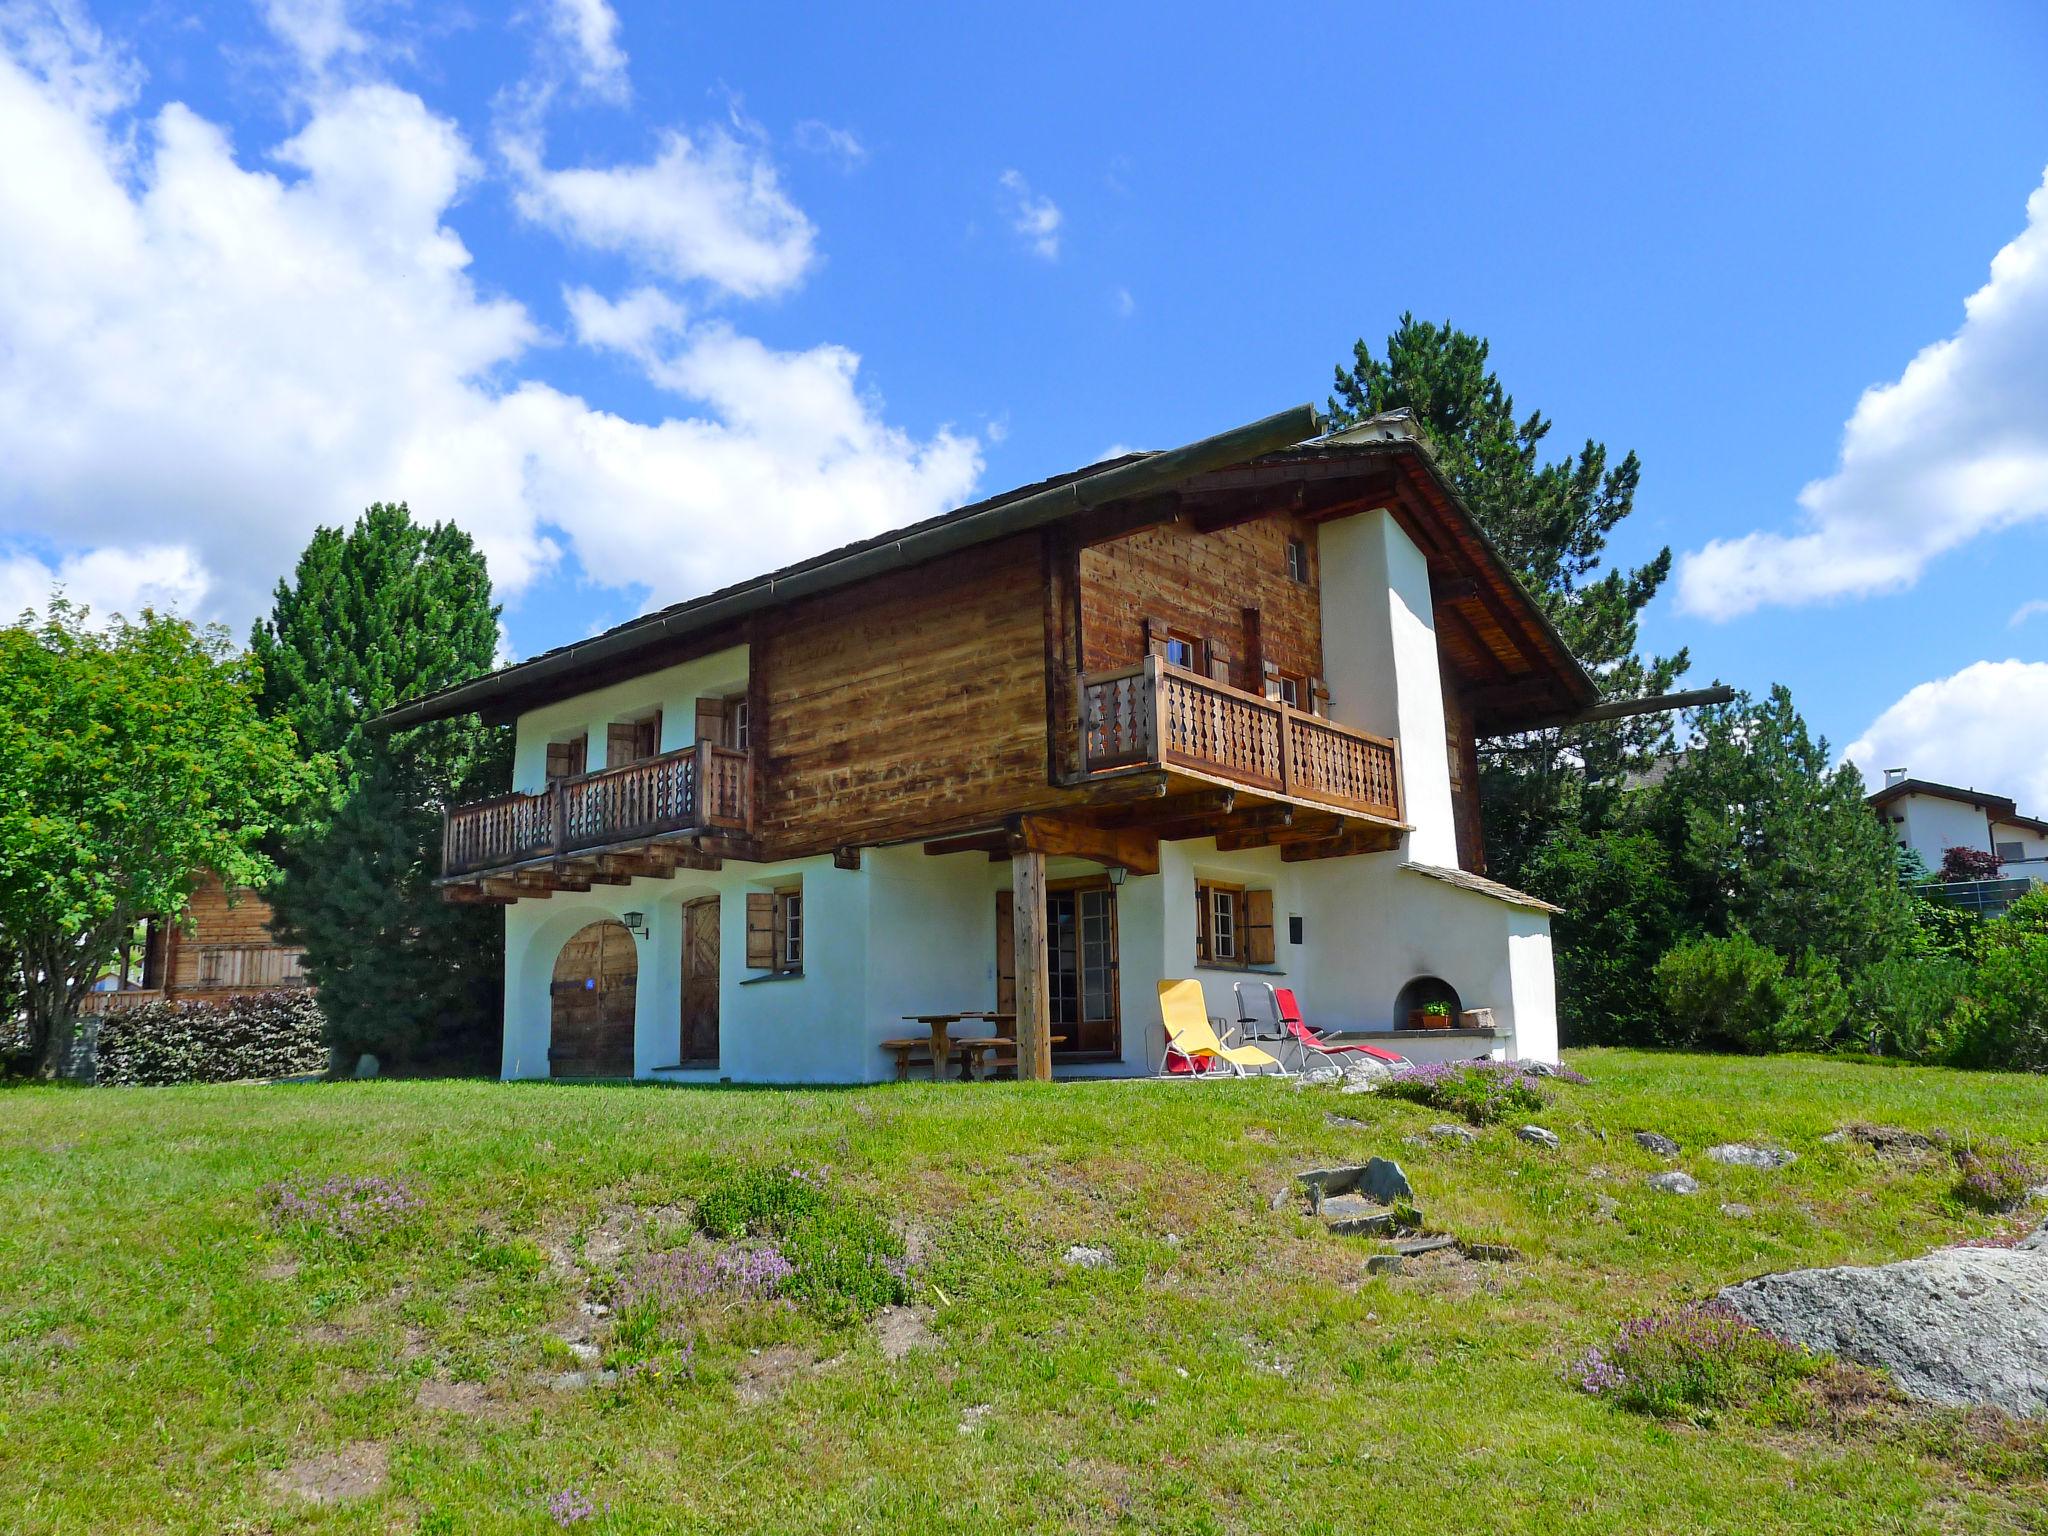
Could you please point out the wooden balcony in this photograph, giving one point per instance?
(1156, 715)
(702, 789)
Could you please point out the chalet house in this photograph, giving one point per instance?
(1210, 712)
(219, 947)
(1930, 818)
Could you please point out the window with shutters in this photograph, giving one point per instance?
(738, 725)
(566, 758)
(632, 741)
(1293, 689)
(1233, 925)
(775, 930)
(1297, 560)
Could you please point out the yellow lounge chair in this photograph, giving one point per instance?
(1189, 1036)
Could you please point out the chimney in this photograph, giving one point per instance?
(1893, 776)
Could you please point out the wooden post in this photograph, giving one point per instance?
(1034, 984)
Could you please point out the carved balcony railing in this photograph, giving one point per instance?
(1159, 715)
(704, 788)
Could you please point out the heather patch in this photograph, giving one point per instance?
(1993, 1179)
(351, 1211)
(1480, 1091)
(1689, 1363)
(842, 1262)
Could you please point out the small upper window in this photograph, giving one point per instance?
(1297, 560)
(1179, 651)
(566, 758)
(2012, 853)
(792, 903)
(1291, 690)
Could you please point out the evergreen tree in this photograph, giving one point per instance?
(387, 611)
(1550, 521)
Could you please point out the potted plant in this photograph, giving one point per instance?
(1435, 1015)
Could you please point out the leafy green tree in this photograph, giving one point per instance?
(1619, 912)
(386, 611)
(132, 756)
(1551, 521)
(1769, 838)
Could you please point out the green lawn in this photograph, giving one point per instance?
(171, 1359)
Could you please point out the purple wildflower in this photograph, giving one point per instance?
(685, 1276)
(350, 1209)
(1694, 1357)
(569, 1506)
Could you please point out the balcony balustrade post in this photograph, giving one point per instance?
(558, 817)
(1155, 709)
(1286, 747)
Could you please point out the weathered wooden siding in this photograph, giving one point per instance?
(1463, 752)
(1203, 583)
(214, 922)
(912, 703)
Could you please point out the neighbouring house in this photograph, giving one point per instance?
(220, 946)
(1211, 712)
(1930, 818)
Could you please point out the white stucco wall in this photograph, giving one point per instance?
(1380, 661)
(2033, 861)
(1934, 825)
(672, 690)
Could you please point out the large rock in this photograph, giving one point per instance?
(1379, 1177)
(1654, 1141)
(1742, 1154)
(1674, 1182)
(1537, 1136)
(1962, 1326)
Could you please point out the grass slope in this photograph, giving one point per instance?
(171, 1360)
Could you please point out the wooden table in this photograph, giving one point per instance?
(939, 1023)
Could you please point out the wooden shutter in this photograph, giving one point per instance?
(1219, 662)
(1202, 921)
(648, 737)
(762, 915)
(1156, 637)
(620, 739)
(1006, 952)
(1269, 680)
(566, 758)
(1258, 927)
(1318, 696)
(711, 720)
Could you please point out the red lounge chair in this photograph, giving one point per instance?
(1309, 1040)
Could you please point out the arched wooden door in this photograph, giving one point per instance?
(592, 1000)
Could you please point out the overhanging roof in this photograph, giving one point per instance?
(1996, 805)
(1283, 445)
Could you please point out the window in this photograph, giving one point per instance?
(1233, 925)
(1297, 560)
(775, 930)
(632, 741)
(1180, 651)
(792, 903)
(1293, 689)
(2011, 853)
(737, 725)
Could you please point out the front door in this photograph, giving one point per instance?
(700, 983)
(592, 1002)
(1081, 966)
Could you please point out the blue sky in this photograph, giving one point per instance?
(656, 297)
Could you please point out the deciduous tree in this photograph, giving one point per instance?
(132, 756)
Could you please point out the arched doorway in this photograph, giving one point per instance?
(591, 1004)
(1419, 995)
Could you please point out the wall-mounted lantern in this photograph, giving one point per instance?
(636, 922)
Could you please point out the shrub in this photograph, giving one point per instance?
(1817, 1007)
(842, 1260)
(1685, 1364)
(1968, 864)
(1481, 1091)
(1902, 1004)
(2002, 1023)
(1723, 989)
(266, 1034)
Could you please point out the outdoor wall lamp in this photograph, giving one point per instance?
(1116, 875)
(636, 922)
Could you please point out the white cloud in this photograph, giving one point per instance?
(1986, 727)
(2026, 611)
(316, 30)
(820, 138)
(708, 209)
(1956, 448)
(1036, 218)
(204, 355)
(591, 29)
(1126, 306)
(167, 578)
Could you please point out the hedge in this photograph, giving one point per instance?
(262, 1034)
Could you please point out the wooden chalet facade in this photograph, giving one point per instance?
(219, 947)
(1209, 712)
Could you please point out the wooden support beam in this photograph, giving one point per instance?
(1304, 827)
(1123, 789)
(995, 843)
(1034, 980)
(513, 890)
(473, 896)
(1135, 848)
(635, 866)
(1452, 589)
(1365, 839)
(846, 858)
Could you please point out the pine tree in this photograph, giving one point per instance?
(387, 611)
(1551, 522)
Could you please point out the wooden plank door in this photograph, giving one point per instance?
(592, 1002)
(700, 983)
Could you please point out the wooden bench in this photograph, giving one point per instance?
(909, 1053)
